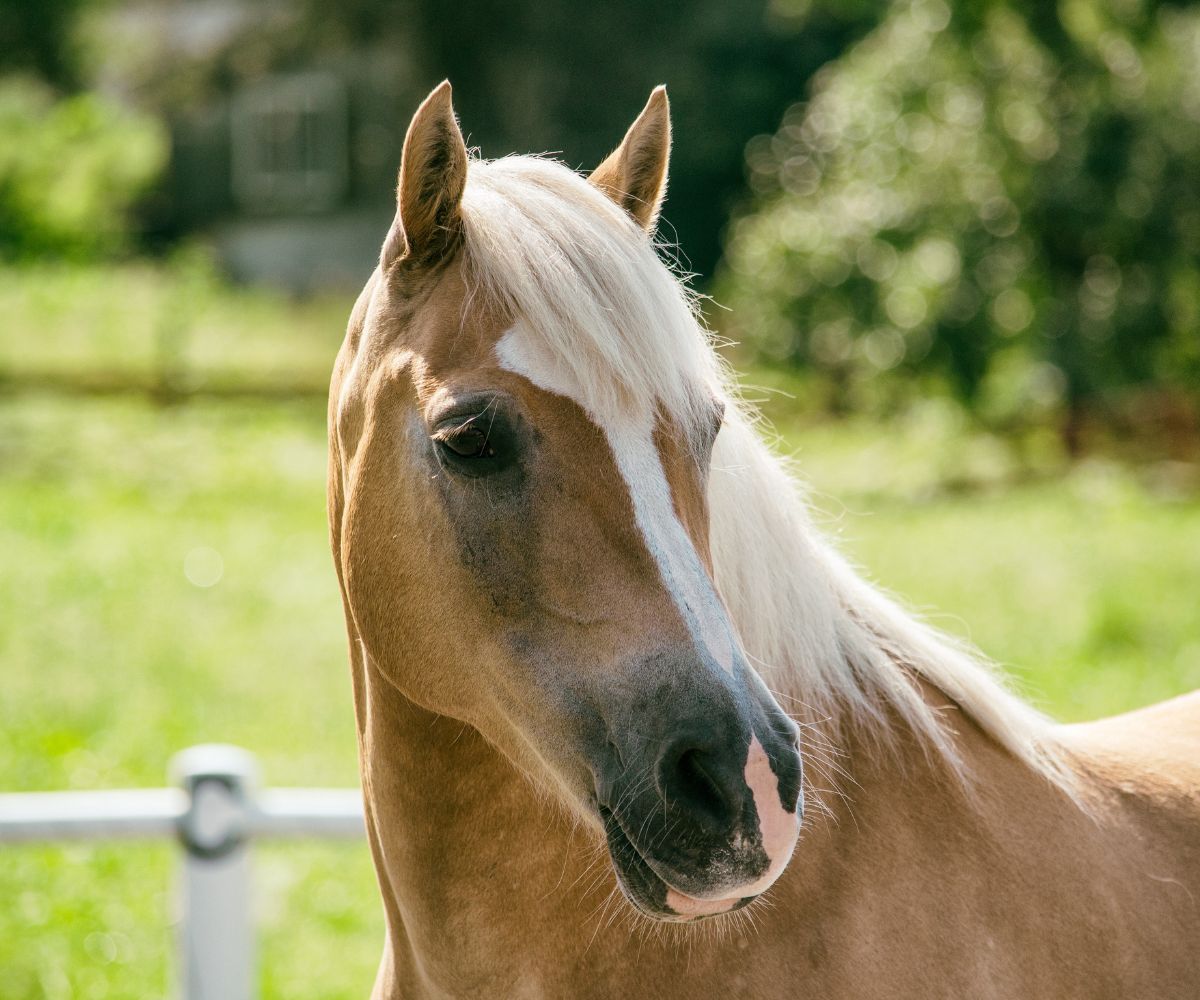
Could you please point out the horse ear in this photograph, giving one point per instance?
(635, 174)
(433, 173)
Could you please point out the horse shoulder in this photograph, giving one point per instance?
(1143, 771)
(1152, 751)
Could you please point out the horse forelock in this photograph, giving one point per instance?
(589, 284)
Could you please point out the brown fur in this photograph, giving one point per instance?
(634, 175)
(433, 173)
(493, 880)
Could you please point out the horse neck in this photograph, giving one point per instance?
(982, 832)
(467, 853)
(913, 861)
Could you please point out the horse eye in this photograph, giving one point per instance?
(466, 441)
(482, 437)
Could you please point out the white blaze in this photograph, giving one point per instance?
(631, 438)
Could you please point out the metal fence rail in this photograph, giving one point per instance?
(215, 810)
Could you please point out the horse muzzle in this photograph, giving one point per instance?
(714, 827)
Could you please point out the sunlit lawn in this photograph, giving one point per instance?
(165, 580)
(142, 318)
(113, 659)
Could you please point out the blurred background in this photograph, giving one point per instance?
(955, 247)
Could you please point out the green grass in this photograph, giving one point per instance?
(114, 656)
(113, 660)
(141, 319)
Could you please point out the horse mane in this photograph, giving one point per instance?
(607, 310)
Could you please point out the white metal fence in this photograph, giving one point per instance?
(215, 810)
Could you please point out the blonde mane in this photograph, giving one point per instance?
(560, 254)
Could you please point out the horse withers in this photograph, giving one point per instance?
(589, 620)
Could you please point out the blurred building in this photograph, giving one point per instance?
(284, 145)
(288, 116)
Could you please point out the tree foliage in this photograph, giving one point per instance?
(71, 170)
(37, 38)
(1001, 193)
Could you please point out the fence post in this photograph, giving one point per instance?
(216, 936)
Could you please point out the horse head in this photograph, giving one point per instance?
(524, 417)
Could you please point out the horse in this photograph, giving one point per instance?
(628, 725)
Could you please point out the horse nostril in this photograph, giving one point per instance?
(692, 778)
(701, 784)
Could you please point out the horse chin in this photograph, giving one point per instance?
(647, 892)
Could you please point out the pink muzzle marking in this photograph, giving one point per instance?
(778, 827)
(779, 830)
(689, 906)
